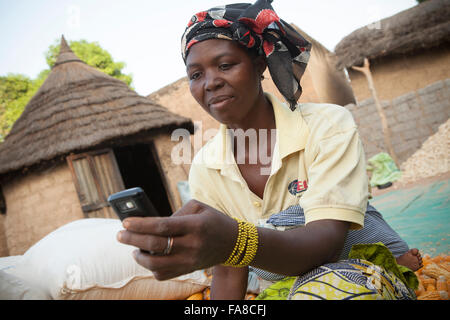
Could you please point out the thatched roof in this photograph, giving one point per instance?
(79, 108)
(424, 26)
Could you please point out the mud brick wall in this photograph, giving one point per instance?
(37, 204)
(412, 118)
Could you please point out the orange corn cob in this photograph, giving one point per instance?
(433, 295)
(250, 296)
(207, 294)
(428, 282)
(196, 296)
(434, 271)
(445, 265)
(441, 284)
(430, 288)
(420, 290)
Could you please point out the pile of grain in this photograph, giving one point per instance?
(432, 159)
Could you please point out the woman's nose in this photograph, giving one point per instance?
(213, 81)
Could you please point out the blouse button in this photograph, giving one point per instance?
(257, 204)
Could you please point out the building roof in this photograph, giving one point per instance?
(424, 26)
(77, 108)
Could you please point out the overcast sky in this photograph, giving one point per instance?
(145, 34)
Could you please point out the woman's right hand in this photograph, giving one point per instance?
(202, 237)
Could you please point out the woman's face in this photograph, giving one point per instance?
(224, 79)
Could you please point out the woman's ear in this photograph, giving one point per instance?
(260, 65)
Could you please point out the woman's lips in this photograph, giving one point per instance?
(219, 102)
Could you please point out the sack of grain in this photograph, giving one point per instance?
(83, 260)
(14, 288)
(9, 263)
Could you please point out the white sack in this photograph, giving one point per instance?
(9, 263)
(13, 288)
(84, 260)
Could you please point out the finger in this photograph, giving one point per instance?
(146, 260)
(145, 242)
(162, 267)
(191, 207)
(160, 226)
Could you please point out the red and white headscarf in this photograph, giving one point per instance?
(257, 27)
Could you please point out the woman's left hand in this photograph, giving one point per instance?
(202, 237)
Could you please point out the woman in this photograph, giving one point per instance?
(315, 160)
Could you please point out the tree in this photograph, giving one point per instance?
(13, 91)
(16, 90)
(93, 55)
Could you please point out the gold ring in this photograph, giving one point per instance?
(169, 246)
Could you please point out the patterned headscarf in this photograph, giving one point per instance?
(256, 26)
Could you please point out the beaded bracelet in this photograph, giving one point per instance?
(239, 246)
(251, 247)
(246, 245)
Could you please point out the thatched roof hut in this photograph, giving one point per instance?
(83, 136)
(405, 83)
(78, 108)
(407, 51)
(422, 27)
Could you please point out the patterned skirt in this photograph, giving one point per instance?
(352, 279)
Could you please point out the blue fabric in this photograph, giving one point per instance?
(375, 230)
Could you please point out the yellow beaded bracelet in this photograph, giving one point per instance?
(251, 247)
(246, 245)
(239, 246)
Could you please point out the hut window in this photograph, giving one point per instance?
(138, 165)
(96, 176)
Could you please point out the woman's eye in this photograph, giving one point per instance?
(195, 76)
(225, 66)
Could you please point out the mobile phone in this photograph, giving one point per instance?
(132, 203)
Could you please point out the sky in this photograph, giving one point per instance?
(146, 34)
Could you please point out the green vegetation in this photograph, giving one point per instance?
(16, 90)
